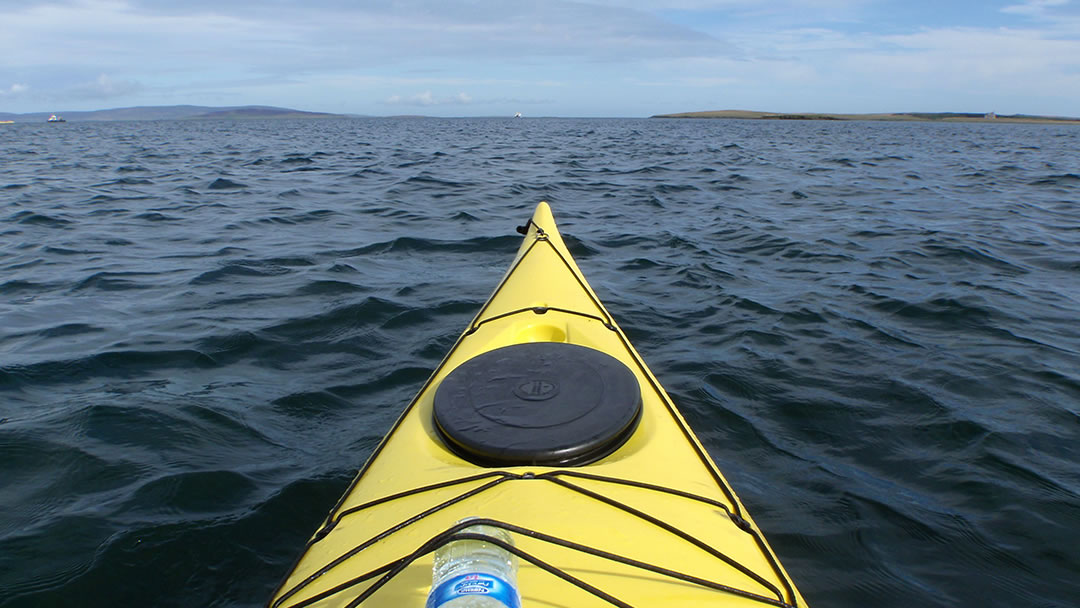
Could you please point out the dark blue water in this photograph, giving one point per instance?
(207, 327)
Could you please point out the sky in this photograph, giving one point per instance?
(543, 57)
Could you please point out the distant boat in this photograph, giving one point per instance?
(55, 118)
(7, 122)
(517, 115)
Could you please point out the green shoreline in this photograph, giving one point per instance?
(893, 117)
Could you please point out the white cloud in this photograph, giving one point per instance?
(1000, 57)
(719, 5)
(1033, 8)
(275, 36)
(15, 90)
(1004, 69)
(103, 87)
(428, 99)
(961, 69)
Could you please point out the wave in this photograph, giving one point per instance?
(247, 268)
(222, 183)
(1061, 179)
(412, 244)
(33, 218)
(125, 181)
(111, 364)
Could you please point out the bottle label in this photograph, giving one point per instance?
(472, 585)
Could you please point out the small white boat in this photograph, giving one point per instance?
(55, 118)
(517, 115)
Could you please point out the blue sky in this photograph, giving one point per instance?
(543, 57)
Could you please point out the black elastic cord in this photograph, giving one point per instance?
(540, 310)
(456, 532)
(501, 477)
(390, 570)
(675, 531)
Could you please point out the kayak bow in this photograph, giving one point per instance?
(544, 421)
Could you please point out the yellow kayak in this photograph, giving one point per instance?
(543, 421)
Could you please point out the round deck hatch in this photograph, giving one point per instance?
(542, 403)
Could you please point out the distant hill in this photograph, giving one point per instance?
(896, 116)
(172, 113)
(262, 112)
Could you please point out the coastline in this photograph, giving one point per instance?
(882, 117)
(177, 112)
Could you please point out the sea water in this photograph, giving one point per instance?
(207, 327)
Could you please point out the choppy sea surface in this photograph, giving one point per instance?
(208, 326)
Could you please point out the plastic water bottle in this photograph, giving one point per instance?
(474, 573)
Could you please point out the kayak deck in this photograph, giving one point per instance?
(651, 523)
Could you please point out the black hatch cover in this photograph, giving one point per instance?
(542, 403)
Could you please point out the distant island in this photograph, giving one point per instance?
(172, 113)
(898, 116)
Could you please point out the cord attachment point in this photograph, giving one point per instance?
(740, 523)
(524, 229)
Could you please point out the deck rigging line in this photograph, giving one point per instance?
(495, 478)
